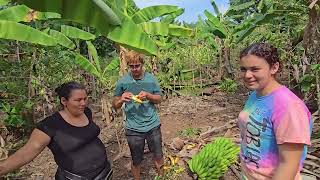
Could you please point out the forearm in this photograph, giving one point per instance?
(154, 98)
(286, 171)
(14, 162)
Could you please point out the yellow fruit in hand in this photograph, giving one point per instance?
(136, 99)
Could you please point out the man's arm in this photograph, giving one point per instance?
(290, 156)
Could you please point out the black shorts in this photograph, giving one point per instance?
(136, 141)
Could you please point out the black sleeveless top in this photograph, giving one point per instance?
(75, 149)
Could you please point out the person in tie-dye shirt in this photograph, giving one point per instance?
(275, 124)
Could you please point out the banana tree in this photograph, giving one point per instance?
(311, 45)
(230, 31)
(114, 19)
(93, 66)
(103, 76)
(143, 19)
(223, 29)
(12, 29)
(97, 14)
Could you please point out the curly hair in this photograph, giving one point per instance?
(134, 57)
(263, 50)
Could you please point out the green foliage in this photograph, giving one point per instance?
(190, 132)
(13, 116)
(307, 82)
(182, 63)
(228, 85)
(214, 159)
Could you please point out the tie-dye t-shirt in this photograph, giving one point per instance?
(277, 118)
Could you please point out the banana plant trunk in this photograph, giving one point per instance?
(318, 91)
(106, 107)
(31, 90)
(311, 42)
(123, 70)
(221, 66)
(123, 61)
(154, 65)
(226, 58)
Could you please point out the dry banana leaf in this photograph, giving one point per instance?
(3, 154)
(2, 142)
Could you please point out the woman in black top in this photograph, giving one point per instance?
(72, 137)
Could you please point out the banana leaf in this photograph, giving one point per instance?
(76, 33)
(233, 10)
(155, 28)
(131, 36)
(122, 5)
(22, 13)
(151, 12)
(258, 19)
(62, 39)
(113, 65)
(215, 8)
(93, 52)
(4, 2)
(215, 30)
(94, 13)
(86, 65)
(215, 23)
(16, 31)
(180, 31)
(172, 16)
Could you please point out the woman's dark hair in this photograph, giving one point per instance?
(263, 50)
(65, 89)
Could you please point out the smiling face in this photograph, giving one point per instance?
(256, 73)
(76, 102)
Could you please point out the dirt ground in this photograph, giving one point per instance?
(176, 114)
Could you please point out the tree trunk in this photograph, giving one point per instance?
(220, 64)
(31, 90)
(106, 110)
(18, 51)
(318, 91)
(227, 64)
(123, 61)
(154, 65)
(311, 40)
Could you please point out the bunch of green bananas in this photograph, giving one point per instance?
(214, 159)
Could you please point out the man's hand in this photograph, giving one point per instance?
(126, 96)
(154, 98)
(119, 100)
(143, 95)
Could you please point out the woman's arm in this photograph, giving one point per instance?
(35, 145)
(290, 156)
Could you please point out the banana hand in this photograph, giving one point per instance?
(136, 99)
